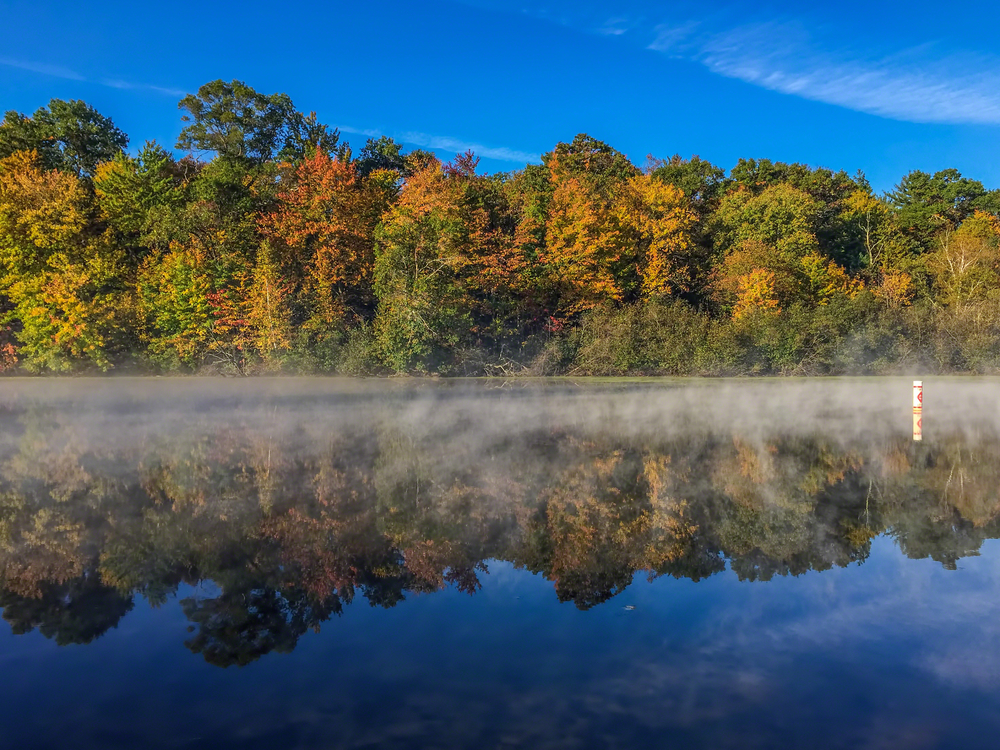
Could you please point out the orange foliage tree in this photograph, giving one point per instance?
(449, 267)
(323, 233)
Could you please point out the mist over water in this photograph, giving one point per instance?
(846, 407)
(327, 563)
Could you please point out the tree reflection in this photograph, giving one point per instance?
(77, 611)
(238, 627)
(291, 521)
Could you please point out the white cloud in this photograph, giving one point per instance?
(913, 80)
(358, 131)
(57, 71)
(670, 37)
(447, 143)
(905, 86)
(116, 83)
(614, 27)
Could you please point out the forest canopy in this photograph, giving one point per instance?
(272, 246)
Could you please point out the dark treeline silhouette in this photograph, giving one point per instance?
(274, 246)
(293, 520)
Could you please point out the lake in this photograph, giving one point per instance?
(309, 563)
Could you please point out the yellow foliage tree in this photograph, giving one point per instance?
(59, 279)
(748, 265)
(657, 221)
(583, 244)
(756, 293)
(63, 319)
(41, 211)
(174, 295)
(826, 278)
(895, 288)
(881, 236)
(966, 263)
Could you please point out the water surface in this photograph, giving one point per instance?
(355, 564)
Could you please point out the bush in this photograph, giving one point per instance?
(660, 337)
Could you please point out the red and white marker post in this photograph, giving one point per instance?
(918, 410)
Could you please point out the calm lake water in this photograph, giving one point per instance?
(397, 564)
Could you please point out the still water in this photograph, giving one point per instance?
(390, 564)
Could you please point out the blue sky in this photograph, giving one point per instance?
(884, 87)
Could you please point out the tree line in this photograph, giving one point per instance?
(272, 246)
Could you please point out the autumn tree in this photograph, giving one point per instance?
(756, 292)
(528, 193)
(770, 239)
(584, 257)
(322, 229)
(208, 242)
(656, 223)
(63, 284)
(421, 250)
(269, 314)
(251, 319)
(754, 275)
(888, 262)
(586, 158)
(965, 265)
(449, 272)
(178, 316)
(499, 286)
(582, 248)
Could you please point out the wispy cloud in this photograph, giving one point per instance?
(614, 26)
(58, 71)
(447, 143)
(909, 85)
(117, 83)
(809, 55)
(673, 38)
(359, 131)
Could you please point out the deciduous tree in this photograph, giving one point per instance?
(236, 122)
(71, 136)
